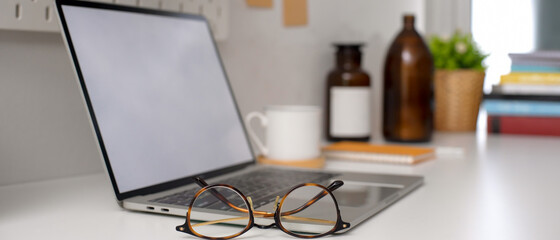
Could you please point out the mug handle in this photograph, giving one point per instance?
(264, 122)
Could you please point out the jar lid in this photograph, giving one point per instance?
(349, 45)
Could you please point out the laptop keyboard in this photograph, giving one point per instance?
(262, 185)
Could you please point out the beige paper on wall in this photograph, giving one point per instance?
(295, 12)
(259, 3)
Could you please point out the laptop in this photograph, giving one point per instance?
(163, 112)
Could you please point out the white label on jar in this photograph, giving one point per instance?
(350, 112)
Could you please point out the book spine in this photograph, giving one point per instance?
(530, 78)
(534, 69)
(527, 89)
(536, 62)
(368, 157)
(521, 107)
(545, 55)
(526, 97)
(546, 126)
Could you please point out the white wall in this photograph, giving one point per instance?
(44, 131)
(447, 16)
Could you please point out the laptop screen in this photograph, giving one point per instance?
(162, 103)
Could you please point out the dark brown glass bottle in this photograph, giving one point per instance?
(408, 73)
(348, 97)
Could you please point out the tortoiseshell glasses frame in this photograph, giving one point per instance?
(187, 227)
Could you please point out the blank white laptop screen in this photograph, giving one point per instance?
(159, 93)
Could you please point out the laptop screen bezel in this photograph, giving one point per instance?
(160, 186)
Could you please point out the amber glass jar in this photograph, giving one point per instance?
(348, 97)
(408, 73)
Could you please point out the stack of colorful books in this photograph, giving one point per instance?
(527, 100)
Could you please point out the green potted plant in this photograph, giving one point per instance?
(458, 81)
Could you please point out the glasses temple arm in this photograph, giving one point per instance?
(200, 182)
(223, 199)
(225, 220)
(333, 186)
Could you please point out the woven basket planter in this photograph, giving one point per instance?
(457, 99)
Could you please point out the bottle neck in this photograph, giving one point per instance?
(408, 21)
(348, 59)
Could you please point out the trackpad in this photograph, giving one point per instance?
(358, 195)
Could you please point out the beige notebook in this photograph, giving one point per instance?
(367, 152)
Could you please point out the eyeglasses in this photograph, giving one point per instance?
(308, 210)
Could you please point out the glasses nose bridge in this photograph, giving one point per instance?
(265, 226)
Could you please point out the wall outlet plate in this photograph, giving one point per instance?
(29, 15)
(40, 15)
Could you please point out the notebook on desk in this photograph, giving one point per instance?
(163, 112)
(382, 153)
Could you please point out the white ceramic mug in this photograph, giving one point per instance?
(291, 132)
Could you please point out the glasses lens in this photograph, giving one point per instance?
(219, 212)
(308, 211)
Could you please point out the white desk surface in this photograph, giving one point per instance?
(505, 187)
